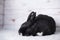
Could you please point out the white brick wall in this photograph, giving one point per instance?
(16, 11)
(1, 14)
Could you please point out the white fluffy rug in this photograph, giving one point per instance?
(13, 35)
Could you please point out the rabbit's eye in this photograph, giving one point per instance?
(32, 14)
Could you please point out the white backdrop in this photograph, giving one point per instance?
(1, 14)
(17, 11)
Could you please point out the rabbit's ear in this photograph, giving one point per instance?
(31, 16)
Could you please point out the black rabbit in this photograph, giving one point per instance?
(40, 23)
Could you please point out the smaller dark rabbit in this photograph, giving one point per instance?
(36, 24)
